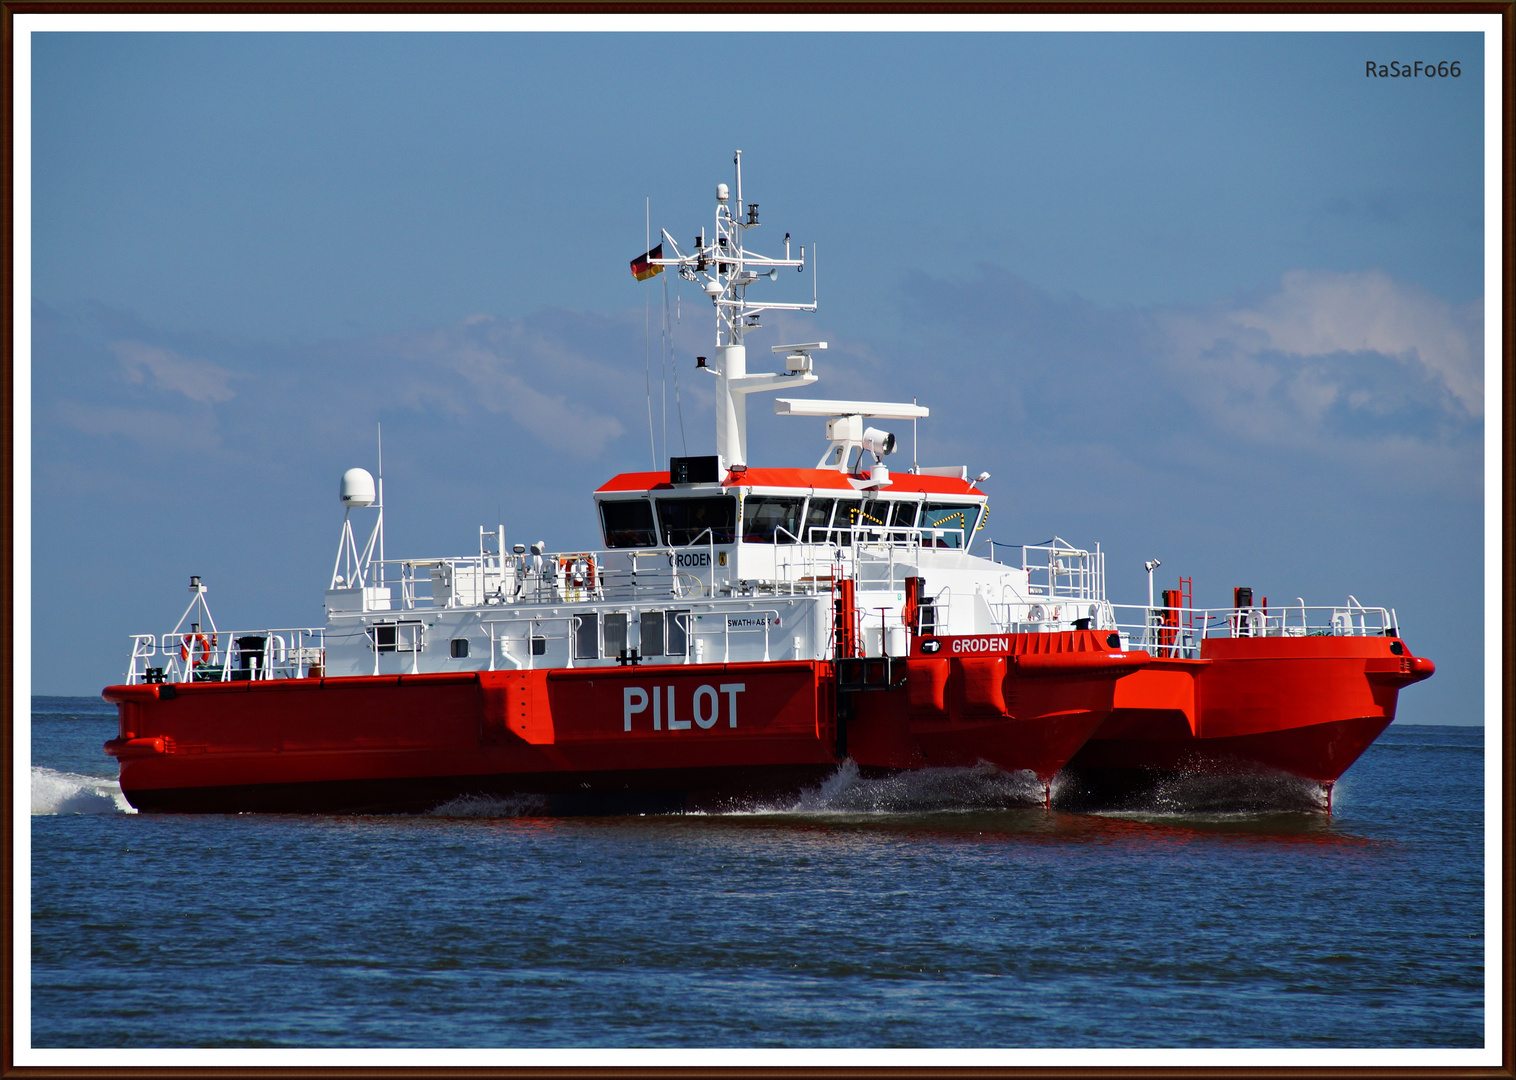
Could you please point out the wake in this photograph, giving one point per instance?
(932, 790)
(946, 790)
(55, 792)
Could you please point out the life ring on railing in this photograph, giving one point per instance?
(578, 571)
(197, 643)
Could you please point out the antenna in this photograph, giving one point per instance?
(379, 439)
(915, 464)
(724, 268)
(197, 603)
(647, 324)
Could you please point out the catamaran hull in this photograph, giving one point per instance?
(679, 737)
(611, 740)
(1304, 706)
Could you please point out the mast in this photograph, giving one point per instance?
(724, 268)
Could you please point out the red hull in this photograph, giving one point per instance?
(681, 736)
(1308, 706)
(623, 737)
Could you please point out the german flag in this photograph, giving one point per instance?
(642, 267)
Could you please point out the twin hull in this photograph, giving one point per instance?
(678, 736)
(1308, 706)
(617, 739)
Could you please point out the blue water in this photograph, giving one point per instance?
(917, 912)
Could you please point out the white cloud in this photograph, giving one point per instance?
(195, 379)
(158, 432)
(1317, 313)
(497, 359)
(1327, 354)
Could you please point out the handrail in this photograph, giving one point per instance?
(198, 657)
(533, 622)
(726, 631)
(1180, 630)
(489, 579)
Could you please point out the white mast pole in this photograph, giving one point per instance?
(379, 435)
(722, 268)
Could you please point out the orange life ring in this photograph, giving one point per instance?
(566, 564)
(197, 642)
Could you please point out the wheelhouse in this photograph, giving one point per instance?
(788, 506)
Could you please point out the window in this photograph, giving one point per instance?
(628, 523)
(384, 638)
(870, 512)
(400, 636)
(767, 519)
(685, 521)
(650, 635)
(587, 636)
(845, 517)
(539, 646)
(818, 515)
(874, 512)
(460, 648)
(953, 520)
(903, 514)
(615, 633)
(678, 632)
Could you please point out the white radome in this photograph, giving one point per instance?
(357, 488)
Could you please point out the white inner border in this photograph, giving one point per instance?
(1494, 292)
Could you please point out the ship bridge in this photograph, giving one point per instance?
(787, 507)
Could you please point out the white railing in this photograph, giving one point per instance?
(1060, 571)
(1044, 614)
(623, 573)
(1179, 631)
(225, 656)
(763, 623)
(500, 643)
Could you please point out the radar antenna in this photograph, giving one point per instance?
(724, 268)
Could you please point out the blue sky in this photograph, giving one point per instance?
(1214, 298)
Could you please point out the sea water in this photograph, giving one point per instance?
(941, 909)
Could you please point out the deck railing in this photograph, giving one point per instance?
(1179, 631)
(879, 555)
(224, 656)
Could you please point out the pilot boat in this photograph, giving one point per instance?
(740, 631)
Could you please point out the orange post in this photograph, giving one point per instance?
(846, 619)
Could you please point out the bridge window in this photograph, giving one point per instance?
(869, 512)
(628, 523)
(767, 519)
(685, 521)
(903, 514)
(818, 515)
(955, 521)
